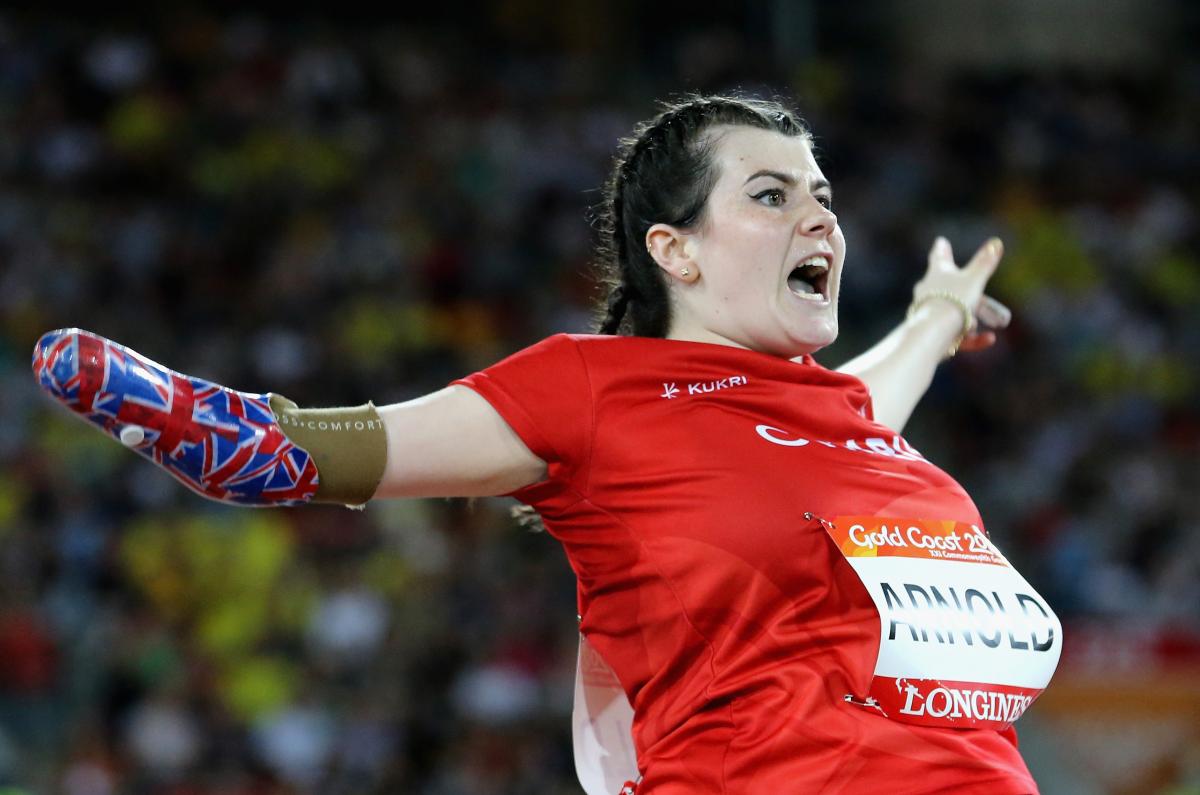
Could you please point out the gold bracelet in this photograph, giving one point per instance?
(967, 315)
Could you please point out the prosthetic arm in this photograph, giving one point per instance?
(235, 447)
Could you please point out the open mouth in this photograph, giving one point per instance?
(810, 279)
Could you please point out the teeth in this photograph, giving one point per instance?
(809, 296)
(803, 289)
(799, 279)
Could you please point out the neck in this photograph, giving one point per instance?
(692, 332)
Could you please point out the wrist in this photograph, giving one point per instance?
(945, 314)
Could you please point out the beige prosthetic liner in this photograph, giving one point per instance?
(348, 445)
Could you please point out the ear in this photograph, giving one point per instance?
(674, 251)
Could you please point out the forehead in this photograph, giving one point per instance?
(742, 151)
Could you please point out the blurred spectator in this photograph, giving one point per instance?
(364, 210)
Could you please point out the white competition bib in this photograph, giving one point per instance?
(602, 725)
(965, 641)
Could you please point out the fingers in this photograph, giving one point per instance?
(992, 313)
(940, 254)
(968, 282)
(984, 263)
(978, 341)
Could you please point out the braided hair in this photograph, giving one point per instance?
(664, 173)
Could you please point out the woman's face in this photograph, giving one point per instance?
(768, 216)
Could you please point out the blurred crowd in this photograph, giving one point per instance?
(344, 213)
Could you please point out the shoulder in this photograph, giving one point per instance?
(589, 346)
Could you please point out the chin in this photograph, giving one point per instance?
(814, 339)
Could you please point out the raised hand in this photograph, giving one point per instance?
(968, 284)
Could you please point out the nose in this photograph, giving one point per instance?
(818, 220)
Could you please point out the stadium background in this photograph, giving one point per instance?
(343, 209)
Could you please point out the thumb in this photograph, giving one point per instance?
(940, 254)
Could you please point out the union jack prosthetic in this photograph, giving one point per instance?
(222, 444)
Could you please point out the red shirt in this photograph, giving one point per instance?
(705, 578)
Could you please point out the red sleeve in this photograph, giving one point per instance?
(544, 394)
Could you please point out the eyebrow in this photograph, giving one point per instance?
(786, 179)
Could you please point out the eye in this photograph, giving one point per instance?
(775, 197)
(825, 200)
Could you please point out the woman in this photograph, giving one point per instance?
(789, 595)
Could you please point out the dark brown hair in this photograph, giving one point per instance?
(664, 173)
